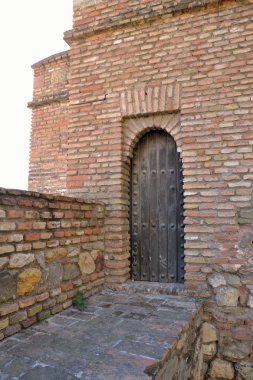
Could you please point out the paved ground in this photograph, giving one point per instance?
(117, 337)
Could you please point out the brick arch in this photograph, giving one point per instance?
(135, 128)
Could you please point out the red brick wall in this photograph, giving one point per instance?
(202, 58)
(48, 148)
(208, 53)
(50, 247)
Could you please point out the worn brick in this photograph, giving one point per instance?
(18, 317)
(11, 330)
(8, 308)
(7, 226)
(6, 249)
(29, 322)
(42, 297)
(4, 323)
(34, 310)
(25, 302)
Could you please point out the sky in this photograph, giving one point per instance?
(30, 30)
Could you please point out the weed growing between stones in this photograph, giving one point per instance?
(79, 301)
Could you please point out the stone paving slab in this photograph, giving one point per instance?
(116, 337)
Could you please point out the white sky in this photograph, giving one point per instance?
(30, 30)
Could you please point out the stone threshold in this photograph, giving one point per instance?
(147, 287)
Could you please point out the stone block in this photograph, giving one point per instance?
(86, 263)
(19, 260)
(8, 285)
(70, 271)
(250, 301)
(209, 350)
(245, 369)
(243, 333)
(3, 262)
(27, 280)
(227, 296)
(209, 333)
(73, 251)
(56, 254)
(246, 241)
(222, 369)
(233, 280)
(236, 352)
(216, 280)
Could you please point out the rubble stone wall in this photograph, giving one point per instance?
(50, 247)
(230, 311)
(185, 360)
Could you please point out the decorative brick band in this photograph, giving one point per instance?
(148, 100)
(56, 98)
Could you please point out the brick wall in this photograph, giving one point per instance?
(207, 54)
(48, 147)
(50, 247)
(186, 68)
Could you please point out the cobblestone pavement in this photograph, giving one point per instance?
(116, 337)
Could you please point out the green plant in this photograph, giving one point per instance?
(79, 301)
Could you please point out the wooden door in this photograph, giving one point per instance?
(157, 235)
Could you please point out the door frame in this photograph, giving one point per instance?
(180, 204)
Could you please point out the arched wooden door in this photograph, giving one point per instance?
(157, 235)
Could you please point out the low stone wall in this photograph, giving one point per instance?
(231, 309)
(230, 354)
(185, 360)
(50, 247)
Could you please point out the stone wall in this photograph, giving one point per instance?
(231, 311)
(185, 360)
(50, 247)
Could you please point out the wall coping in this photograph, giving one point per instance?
(50, 197)
(126, 18)
(51, 58)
